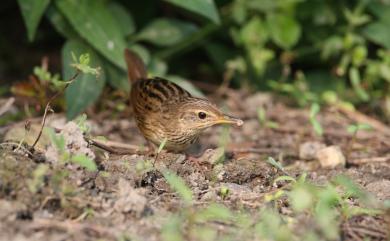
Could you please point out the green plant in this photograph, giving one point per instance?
(307, 50)
(65, 156)
(261, 116)
(325, 206)
(354, 129)
(104, 29)
(317, 127)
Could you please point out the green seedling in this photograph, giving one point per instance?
(224, 192)
(81, 122)
(277, 165)
(314, 110)
(84, 161)
(82, 64)
(354, 129)
(178, 185)
(263, 120)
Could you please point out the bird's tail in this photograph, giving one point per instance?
(136, 69)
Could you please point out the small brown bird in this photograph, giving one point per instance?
(163, 110)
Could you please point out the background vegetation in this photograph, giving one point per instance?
(314, 51)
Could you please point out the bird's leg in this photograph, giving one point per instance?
(198, 161)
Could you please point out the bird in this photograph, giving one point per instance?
(166, 113)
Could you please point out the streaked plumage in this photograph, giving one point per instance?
(162, 109)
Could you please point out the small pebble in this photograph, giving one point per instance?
(308, 150)
(330, 157)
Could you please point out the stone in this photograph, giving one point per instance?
(331, 157)
(308, 150)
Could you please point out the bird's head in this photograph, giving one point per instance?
(198, 114)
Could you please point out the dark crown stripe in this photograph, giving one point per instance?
(159, 86)
(172, 88)
(153, 95)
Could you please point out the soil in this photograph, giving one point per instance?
(127, 200)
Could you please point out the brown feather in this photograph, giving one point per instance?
(136, 69)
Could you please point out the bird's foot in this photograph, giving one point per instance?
(198, 162)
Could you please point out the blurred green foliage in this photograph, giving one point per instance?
(327, 207)
(312, 50)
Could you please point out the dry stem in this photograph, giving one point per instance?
(47, 108)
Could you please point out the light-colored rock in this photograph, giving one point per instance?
(331, 157)
(308, 150)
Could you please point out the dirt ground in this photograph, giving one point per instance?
(126, 200)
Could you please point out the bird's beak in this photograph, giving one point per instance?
(226, 119)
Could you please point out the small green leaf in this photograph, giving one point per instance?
(86, 89)
(81, 122)
(284, 178)
(274, 163)
(205, 8)
(94, 22)
(58, 140)
(302, 178)
(162, 145)
(272, 124)
(351, 188)
(178, 185)
(83, 65)
(317, 127)
(84, 161)
(364, 126)
(261, 115)
(224, 192)
(354, 128)
(166, 32)
(32, 11)
(284, 30)
(314, 110)
(354, 76)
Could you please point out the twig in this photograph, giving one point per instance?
(47, 108)
(112, 147)
(369, 160)
(115, 147)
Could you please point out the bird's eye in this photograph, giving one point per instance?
(202, 115)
